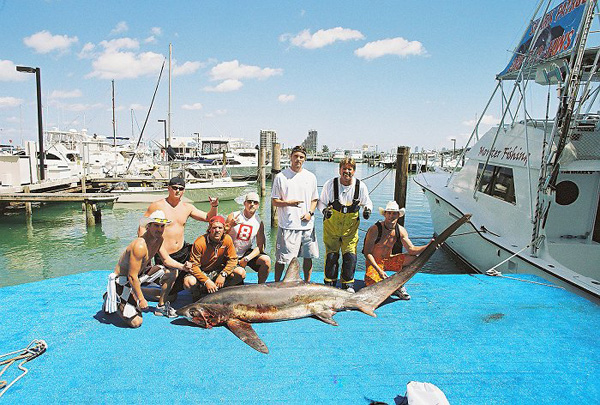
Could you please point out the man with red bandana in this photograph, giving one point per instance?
(214, 261)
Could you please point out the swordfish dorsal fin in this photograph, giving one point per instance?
(246, 334)
(372, 296)
(293, 271)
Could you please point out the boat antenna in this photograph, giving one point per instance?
(147, 115)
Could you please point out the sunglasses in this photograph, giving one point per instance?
(178, 188)
(252, 202)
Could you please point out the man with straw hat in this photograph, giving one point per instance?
(383, 247)
(124, 291)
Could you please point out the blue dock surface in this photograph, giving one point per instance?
(480, 339)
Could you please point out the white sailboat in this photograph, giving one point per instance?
(533, 185)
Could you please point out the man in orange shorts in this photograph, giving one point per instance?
(383, 247)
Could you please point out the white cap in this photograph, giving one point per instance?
(392, 206)
(252, 196)
(157, 217)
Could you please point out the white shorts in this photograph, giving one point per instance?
(296, 243)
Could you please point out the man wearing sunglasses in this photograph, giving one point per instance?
(178, 212)
(248, 234)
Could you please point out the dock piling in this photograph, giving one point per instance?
(28, 211)
(401, 183)
(275, 168)
(262, 174)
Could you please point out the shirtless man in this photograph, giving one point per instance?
(124, 291)
(178, 212)
(383, 247)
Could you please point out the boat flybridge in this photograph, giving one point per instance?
(533, 185)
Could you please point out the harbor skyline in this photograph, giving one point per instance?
(386, 74)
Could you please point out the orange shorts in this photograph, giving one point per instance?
(393, 263)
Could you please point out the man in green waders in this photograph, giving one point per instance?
(340, 202)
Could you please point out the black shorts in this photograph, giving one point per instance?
(181, 256)
(253, 263)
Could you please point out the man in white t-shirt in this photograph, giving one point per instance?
(295, 195)
(248, 234)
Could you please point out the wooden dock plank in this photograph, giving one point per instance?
(57, 197)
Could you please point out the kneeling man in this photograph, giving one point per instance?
(383, 247)
(124, 291)
(248, 234)
(214, 261)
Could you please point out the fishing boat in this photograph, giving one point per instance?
(532, 184)
(223, 188)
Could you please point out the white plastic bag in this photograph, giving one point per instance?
(423, 393)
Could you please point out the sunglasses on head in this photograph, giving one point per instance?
(178, 188)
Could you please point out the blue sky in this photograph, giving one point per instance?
(383, 73)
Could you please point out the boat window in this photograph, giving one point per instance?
(497, 181)
(566, 192)
(51, 156)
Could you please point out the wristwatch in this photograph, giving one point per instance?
(224, 274)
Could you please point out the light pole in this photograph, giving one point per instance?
(453, 147)
(27, 69)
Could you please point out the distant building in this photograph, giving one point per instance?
(267, 138)
(310, 143)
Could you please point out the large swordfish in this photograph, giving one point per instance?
(238, 306)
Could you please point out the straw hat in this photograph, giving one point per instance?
(157, 217)
(392, 206)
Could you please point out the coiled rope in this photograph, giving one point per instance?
(33, 350)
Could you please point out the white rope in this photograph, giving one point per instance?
(35, 348)
(493, 272)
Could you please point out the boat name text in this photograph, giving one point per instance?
(515, 153)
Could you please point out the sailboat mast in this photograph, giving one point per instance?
(169, 110)
(113, 114)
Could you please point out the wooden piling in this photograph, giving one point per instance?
(401, 183)
(28, 211)
(275, 168)
(262, 173)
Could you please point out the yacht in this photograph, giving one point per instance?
(532, 185)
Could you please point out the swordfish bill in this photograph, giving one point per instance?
(238, 307)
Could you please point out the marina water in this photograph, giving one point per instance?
(56, 241)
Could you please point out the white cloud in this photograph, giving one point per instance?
(137, 107)
(195, 106)
(115, 45)
(150, 40)
(322, 38)
(87, 51)
(186, 69)
(225, 86)
(156, 31)
(44, 42)
(390, 46)
(216, 113)
(7, 102)
(119, 28)
(66, 94)
(485, 120)
(8, 72)
(126, 65)
(286, 98)
(234, 70)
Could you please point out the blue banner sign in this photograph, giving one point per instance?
(557, 34)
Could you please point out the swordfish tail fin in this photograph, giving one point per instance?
(369, 298)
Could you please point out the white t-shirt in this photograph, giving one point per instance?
(289, 185)
(346, 194)
(244, 232)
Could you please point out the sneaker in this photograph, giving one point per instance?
(165, 310)
(402, 294)
(350, 290)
